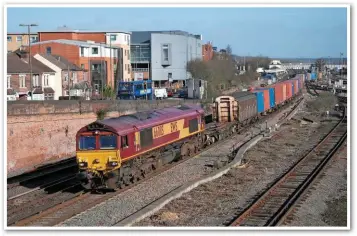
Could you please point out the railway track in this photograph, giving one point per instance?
(40, 178)
(271, 208)
(66, 206)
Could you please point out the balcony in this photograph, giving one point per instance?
(140, 69)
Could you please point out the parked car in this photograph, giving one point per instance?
(183, 94)
(170, 93)
(160, 93)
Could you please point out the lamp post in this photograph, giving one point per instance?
(110, 46)
(30, 64)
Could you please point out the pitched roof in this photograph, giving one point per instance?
(17, 65)
(48, 90)
(81, 85)
(75, 42)
(61, 62)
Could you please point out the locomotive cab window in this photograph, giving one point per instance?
(124, 141)
(108, 142)
(87, 143)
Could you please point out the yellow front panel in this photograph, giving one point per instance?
(98, 159)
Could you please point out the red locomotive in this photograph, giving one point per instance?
(119, 151)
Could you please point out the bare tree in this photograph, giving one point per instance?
(229, 49)
(320, 64)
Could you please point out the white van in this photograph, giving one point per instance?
(160, 93)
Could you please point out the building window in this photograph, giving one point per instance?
(48, 50)
(95, 51)
(113, 37)
(74, 77)
(33, 39)
(82, 51)
(35, 81)
(82, 66)
(165, 51)
(18, 38)
(46, 80)
(9, 38)
(22, 81)
(65, 77)
(169, 76)
(9, 81)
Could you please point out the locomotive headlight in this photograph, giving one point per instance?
(114, 163)
(83, 164)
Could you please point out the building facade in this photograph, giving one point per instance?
(19, 82)
(207, 52)
(163, 55)
(67, 74)
(93, 57)
(112, 38)
(16, 40)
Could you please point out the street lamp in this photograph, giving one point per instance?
(110, 46)
(30, 64)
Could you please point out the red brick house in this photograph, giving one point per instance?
(91, 56)
(19, 81)
(207, 52)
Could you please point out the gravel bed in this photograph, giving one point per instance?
(215, 203)
(116, 209)
(326, 204)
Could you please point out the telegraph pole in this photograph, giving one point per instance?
(30, 64)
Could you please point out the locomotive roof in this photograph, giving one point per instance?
(141, 120)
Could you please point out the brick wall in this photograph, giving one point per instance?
(98, 37)
(70, 52)
(41, 132)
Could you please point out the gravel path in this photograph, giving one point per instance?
(217, 202)
(127, 203)
(326, 204)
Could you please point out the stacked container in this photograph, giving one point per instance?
(289, 89)
(269, 97)
(260, 100)
(265, 94)
(278, 93)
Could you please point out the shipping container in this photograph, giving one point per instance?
(296, 86)
(260, 101)
(266, 96)
(272, 97)
(284, 91)
(289, 89)
(278, 92)
(247, 107)
(313, 76)
(292, 87)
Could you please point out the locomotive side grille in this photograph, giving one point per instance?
(193, 125)
(146, 138)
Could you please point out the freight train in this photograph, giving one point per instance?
(117, 152)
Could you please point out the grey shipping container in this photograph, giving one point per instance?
(247, 107)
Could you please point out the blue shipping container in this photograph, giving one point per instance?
(292, 87)
(260, 101)
(313, 76)
(272, 97)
